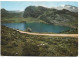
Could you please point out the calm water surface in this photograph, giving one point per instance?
(37, 27)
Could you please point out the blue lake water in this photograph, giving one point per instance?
(37, 27)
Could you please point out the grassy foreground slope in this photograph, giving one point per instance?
(18, 44)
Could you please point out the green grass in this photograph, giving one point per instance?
(29, 20)
(18, 44)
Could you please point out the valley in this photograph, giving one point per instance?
(39, 28)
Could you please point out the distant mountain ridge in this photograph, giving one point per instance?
(68, 7)
(16, 11)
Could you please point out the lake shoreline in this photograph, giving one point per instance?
(38, 27)
(33, 20)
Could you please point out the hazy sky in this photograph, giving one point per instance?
(21, 5)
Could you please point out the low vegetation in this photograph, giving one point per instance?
(14, 43)
(20, 20)
(71, 31)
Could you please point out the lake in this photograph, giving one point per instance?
(37, 27)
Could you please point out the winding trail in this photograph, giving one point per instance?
(60, 35)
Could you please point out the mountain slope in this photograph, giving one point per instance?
(53, 16)
(34, 11)
(11, 14)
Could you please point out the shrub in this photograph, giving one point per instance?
(14, 44)
(29, 29)
(30, 50)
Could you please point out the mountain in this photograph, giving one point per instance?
(34, 11)
(11, 14)
(62, 17)
(16, 11)
(68, 7)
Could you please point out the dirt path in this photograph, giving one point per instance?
(61, 35)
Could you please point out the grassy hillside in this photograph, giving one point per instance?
(18, 20)
(10, 14)
(17, 44)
